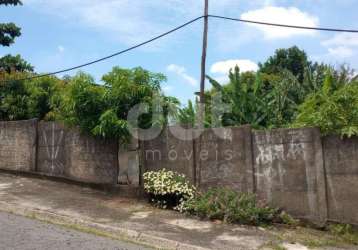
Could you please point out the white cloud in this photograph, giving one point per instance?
(223, 67)
(124, 20)
(342, 39)
(61, 49)
(290, 16)
(223, 79)
(181, 71)
(342, 45)
(342, 52)
(220, 70)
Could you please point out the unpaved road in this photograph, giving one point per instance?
(22, 233)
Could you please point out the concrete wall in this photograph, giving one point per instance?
(129, 156)
(218, 157)
(91, 160)
(49, 148)
(295, 169)
(224, 159)
(167, 151)
(289, 171)
(51, 155)
(284, 167)
(18, 145)
(341, 164)
(68, 153)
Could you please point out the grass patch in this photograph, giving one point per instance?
(344, 233)
(334, 236)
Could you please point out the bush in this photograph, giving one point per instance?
(333, 111)
(168, 189)
(35, 98)
(103, 110)
(232, 207)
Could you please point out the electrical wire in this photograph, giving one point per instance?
(178, 28)
(112, 55)
(284, 25)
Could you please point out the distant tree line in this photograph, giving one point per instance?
(288, 90)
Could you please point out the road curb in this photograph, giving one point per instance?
(89, 226)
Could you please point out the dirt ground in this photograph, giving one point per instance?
(139, 222)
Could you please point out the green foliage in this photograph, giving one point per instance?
(243, 95)
(110, 126)
(292, 59)
(187, 115)
(102, 110)
(9, 31)
(282, 100)
(288, 219)
(344, 232)
(253, 104)
(43, 97)
(289, 91)
(11, 2)
(170, 106)
(127, 87)
(28, 99)
(14, 99)
(168, 189)
(232, 207)
(270, 97)
(82, 103)
(333, 109)
(340, 229)
(11, 63)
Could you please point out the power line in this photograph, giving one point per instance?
(284, 25)
(178, 28)
(112, 55)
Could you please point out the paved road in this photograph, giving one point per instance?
(22, 233)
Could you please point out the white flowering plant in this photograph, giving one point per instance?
(168, 189)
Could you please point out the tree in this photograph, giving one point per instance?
(187, 115)
(292, 59)
(11, 64)
(82, 103)
(102, 110)
(333, 110)
(9, 31)
(36, 98)
(276, 105)
(13, 98)
(44, 97)
(244, 94)
(11, 2)
(282, 100)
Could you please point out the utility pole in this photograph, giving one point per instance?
(203, 65)
(201, 110)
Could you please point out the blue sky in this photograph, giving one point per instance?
(58, 34)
